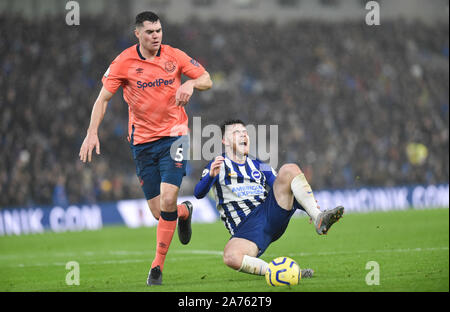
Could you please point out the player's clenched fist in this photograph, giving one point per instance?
(184, 93)
(90, 142)
(215, 166)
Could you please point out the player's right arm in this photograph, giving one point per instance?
(209, 176)
(91, 140)
(113, 78)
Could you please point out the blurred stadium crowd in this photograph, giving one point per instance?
(355, 105)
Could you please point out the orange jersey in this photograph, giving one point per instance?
(149, 88)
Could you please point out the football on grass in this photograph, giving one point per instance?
(283, 271)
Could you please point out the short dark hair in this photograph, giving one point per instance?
(146, 16)
(230, 122)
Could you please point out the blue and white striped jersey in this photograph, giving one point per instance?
(238, 188)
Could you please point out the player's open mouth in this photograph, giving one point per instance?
(243, 143)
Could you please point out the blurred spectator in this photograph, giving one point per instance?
(348, 99)
(59, 193)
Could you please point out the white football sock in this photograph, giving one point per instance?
(304, 195)
(253, 265)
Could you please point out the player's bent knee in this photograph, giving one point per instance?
(289, 171)
(232, 260)
(168, 203)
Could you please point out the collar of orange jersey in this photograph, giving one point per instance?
(142, 57)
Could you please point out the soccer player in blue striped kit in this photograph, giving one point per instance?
(255, 216)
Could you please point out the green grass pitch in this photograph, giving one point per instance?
(411, 248)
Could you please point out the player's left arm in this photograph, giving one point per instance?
(199, 77)
(186, 90)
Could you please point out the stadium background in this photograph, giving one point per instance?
(356, 105)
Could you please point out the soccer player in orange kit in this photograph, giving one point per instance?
(150, 74)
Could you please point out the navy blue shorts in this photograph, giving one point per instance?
(266, 223)
(159, 161)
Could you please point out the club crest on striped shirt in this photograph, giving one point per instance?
(256, 174)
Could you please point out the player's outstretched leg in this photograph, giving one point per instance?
(240, 254)
(256, 266)
(184, 222)
(304, 195)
